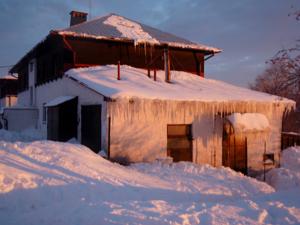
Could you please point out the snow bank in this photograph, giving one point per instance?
(58, 164)
(130, 30)
(248, 122)
(45, 178)
(27, 135)
(184, 86)
(288, 176)
(205, 179)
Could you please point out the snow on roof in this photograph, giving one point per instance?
(248, 122)
(184, 86)
(9, 77)
(59, 100)
(130, 29)
(117, 27)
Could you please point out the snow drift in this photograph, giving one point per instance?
(45, 182)
(288, 176)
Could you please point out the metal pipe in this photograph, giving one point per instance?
(167, 64)
(108, 138)
(119, 75)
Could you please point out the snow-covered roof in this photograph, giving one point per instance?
(8, 77)
(248, 122)
(59, 100)
(117, 27)
(184, 86)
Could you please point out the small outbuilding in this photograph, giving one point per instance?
(138, 119)
(139, 94)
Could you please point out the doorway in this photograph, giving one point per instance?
(91, 127)
(62, 121)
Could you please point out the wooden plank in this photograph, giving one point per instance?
(177, 130)
(175, 143)
(234, 151)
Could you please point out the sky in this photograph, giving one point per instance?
(248, 31)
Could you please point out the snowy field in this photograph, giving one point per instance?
(44, 182)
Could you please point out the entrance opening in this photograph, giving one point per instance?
(62, 120)
(180, 145)
(91, 127)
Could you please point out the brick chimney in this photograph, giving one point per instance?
(77, 17)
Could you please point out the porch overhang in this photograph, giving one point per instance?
(59, 100)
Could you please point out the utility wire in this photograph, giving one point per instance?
(90, 9)
(6, 66)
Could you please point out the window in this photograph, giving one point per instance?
(9, 101)
(31, 67)
(44, 113)
(31, 95)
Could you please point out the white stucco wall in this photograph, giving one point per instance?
(65, 87)
(18, 119)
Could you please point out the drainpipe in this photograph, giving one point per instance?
(108, 138)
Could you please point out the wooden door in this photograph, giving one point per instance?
(234, 154)
(179, 145)
(91, 127)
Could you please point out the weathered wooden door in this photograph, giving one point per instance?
(234, 154)
(91, 127)
(179, 145)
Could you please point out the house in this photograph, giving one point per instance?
(8, 96)
(8, 91)
(139, 94)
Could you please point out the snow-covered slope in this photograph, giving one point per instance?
(184, 86)
(46, 182)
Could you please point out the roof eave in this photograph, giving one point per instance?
(207, 50)
(31, 51)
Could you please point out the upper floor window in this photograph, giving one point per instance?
(31, 67)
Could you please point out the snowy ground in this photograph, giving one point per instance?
(44, 182)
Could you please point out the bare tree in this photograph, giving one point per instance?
(274, 80)
(282, 77)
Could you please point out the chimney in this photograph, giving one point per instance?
(77, 17)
